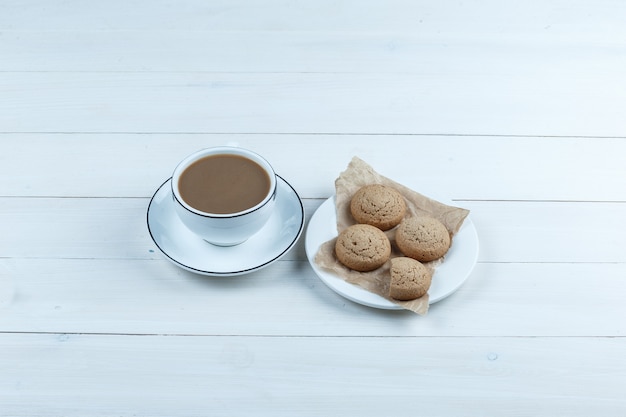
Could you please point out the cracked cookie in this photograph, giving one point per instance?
(378, 205)
(362, 247)
(423, 238)
(410, 279)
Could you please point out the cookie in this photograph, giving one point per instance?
(410, 279)
(362, 247)
(378, 205)
(423, 238)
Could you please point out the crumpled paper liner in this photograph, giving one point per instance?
(357, 175)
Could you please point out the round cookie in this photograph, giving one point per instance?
(423, 238)
(410, 279)
(362, 247)
(378, 205)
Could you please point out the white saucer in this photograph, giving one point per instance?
(192, 253)
(448, 277)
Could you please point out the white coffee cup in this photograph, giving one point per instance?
(224, 229)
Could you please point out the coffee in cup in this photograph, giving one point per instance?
(224, 194)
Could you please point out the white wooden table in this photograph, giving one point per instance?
(512, 110)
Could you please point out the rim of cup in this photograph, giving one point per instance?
(223, 150)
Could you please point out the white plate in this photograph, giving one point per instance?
(192, 253)
(449, 276)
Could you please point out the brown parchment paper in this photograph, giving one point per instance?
(357, 175)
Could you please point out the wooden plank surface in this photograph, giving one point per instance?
(492, 52)
(287, 299)
(579, 19)
(447, 167)
(512, 110)
(476, 68)
(196, 376)
(511, 104)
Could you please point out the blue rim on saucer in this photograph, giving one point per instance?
(192, 253)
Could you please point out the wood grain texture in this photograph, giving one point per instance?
(517, 104)
(578, 20)
(468, 68)
(512, 110)
(196, 376)
(417, 50)
(287, 299)
(447, 167)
